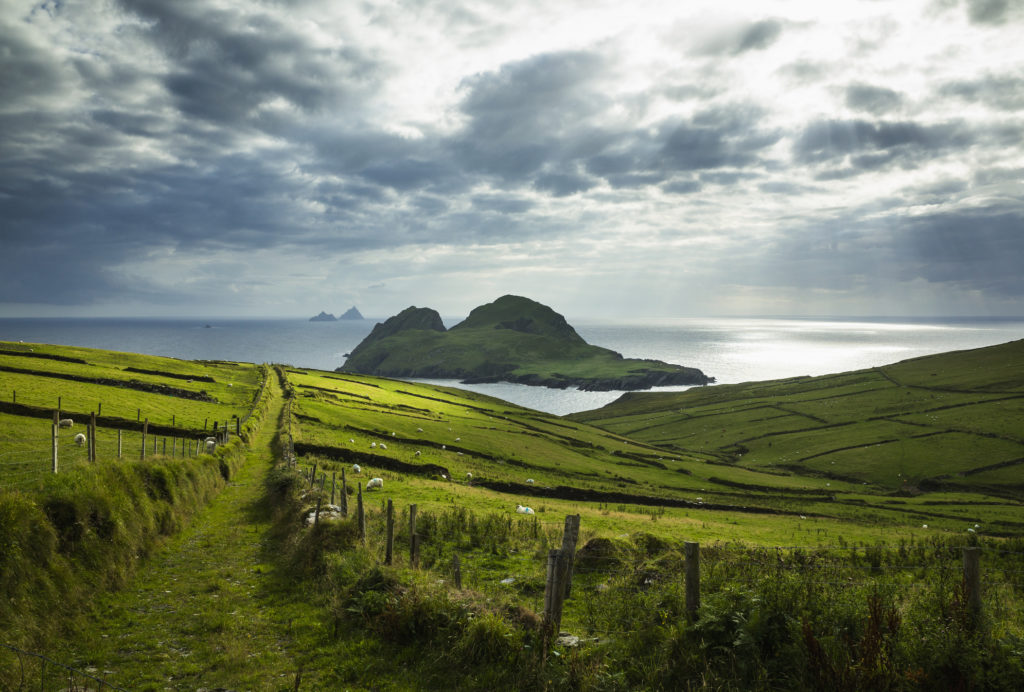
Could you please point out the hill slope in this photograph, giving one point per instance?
(513, 339)
(948, 421)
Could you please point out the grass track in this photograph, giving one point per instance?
(214, 607)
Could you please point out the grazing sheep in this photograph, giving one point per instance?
(523, 510)
(392, 433)
(419, 429)
(79, 439)
(383, 446)
(374, 483)
(444, 447)
(458, 439)
(356, 469)
(417, 453)
(373, 445)
(529, 481)
(66, 423)
(469, 476)
(351, 440)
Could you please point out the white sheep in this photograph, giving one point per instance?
(356, 468)
(373, 445)
(351, 441)
(529, 481)
(417, 453)
(444, 447)
(419, 429)
(392, 433)
(66, 423)
(383, 446)
(523, 510)
(79, 439)
(469, 476)
(458, 439)
(374, 483)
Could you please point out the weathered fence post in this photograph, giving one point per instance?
(165, 447)
(554, 592)
(691, 553)
(457, 571)
(333, 476)
(569, 537)
(344, 494)
(145, 429)
(972, 584)
(389, 545)
(360, 516)
(92, 436)
(174, 420)
(412, 533)
(119, 443)
(99, 408)
(56, 427)
(138, 415)
(312, 476)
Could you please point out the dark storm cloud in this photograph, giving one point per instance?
(521, 114)
(1005, 92)
(872, 145)
(563, 184)
(741, 38)
(226, 63)
(682, 187)
(978, 249)
(27, 70)
(873, 99)
(988, 11)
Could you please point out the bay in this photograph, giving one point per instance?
(729, 349)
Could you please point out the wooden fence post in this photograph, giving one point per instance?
(569, 537)
(389, 547)
(344, 494)
(165, 447)
(691, 553)
(412, 532)
(119, 443)
(92, 437)
(138, 415)
(360, 516)
(145, 429)
(554, 592)
(972, 584)
(333, 475)
(99, 408)
(312, 476)
(174, 419)
(457, 571)
(56, 427)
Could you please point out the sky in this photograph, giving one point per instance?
(609, 159)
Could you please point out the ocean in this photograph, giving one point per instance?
(729, 349)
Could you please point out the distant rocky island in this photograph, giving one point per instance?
(513, 339)
(351, 314)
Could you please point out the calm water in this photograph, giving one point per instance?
(729, 349)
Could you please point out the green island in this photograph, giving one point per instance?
(862, 530)
(513, 339)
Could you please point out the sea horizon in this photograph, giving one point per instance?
(730, 349)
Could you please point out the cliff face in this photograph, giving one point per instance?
(513, 339)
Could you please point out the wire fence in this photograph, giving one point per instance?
(26, 461)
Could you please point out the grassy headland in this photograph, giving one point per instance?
(513, 339)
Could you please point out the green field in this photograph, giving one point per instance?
(832, 515)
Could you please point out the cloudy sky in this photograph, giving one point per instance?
(282, 157)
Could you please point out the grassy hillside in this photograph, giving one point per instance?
(942, 423)
(513, 339)
(813, 574)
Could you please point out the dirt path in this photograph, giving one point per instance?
(210, 609)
